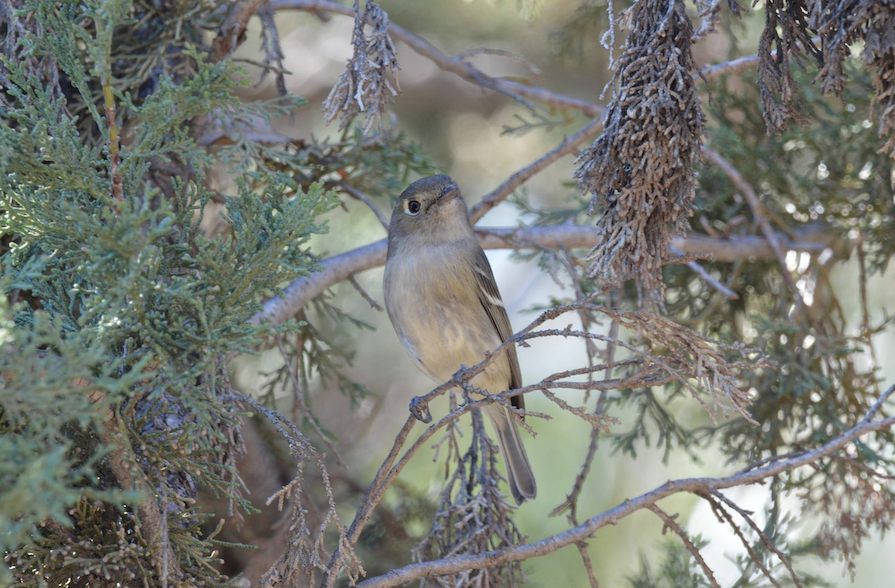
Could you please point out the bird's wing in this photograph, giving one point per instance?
(489, 296)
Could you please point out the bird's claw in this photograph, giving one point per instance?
(419, 408)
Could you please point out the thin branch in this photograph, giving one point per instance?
(341, 267)
(459, 66)
(500, 193)
(729, 67)
(758, 212)
(355, 193)
(233, 30)
(571, 501)
(702, 273)
(280, 309)
(365, 295)
(736, 65)
(724, 517)
(588, 564)
(670, 523)
(655, 371)
(582, 532)
(764, 538)
(299, 394)
(388, 471)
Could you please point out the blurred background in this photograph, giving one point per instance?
(462, 128)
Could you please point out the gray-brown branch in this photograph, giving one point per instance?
(338, 268)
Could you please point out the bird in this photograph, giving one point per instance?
(443, 302)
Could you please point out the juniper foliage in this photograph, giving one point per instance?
(120, 312)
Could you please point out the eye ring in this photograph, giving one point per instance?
(413, 207)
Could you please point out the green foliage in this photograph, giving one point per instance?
(678, 568)
(57, 390)
(830, 171)
(127, 309)
(120, 314)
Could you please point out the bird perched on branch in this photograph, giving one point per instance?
(443, 301)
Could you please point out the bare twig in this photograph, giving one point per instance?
(299, 393)
(456, 65)
(758, 212)
(355, 193)
(499, 194)
(655, 371)
(764, 538)
(736, 65)
(670, 523)
(341, 267)
(365, 295)
(725, 517)
(711, 281)
(459, 66)
(588, 564)
(233, 29)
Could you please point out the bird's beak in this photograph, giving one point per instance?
(449, 193)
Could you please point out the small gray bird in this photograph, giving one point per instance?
(443, 301)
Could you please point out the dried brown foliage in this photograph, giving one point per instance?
(369, 82)
(473, 516)
(851, 504)
(841, 24)
(789, 28)
(697, 362)
(640, 170)
(779, 90)
(305, 556)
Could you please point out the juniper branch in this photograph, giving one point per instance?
(341, 267)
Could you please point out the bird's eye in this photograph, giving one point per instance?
(414, 206)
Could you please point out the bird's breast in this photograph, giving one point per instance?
(440, 322)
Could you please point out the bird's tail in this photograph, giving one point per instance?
(519, 472)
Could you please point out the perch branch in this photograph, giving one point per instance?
(654, 371)
(341, 267)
